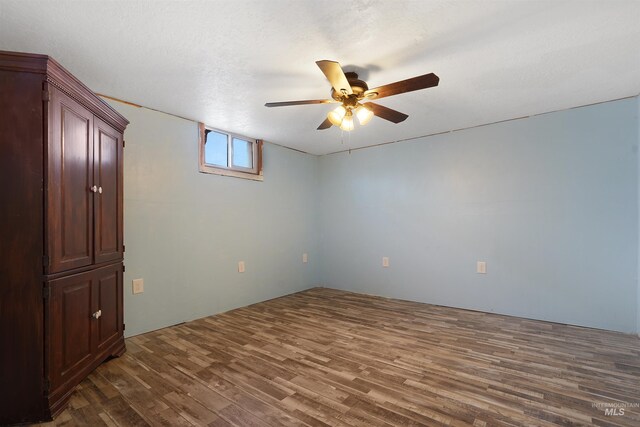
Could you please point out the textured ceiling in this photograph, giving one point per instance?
(220, 61)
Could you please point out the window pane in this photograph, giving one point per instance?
(215, 148)
(242, 153)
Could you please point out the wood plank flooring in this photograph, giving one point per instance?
(327, 357)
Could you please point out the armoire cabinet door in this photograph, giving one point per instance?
(108, 178)
(108, 286)
(71, 326)
(70, 181)
(84, 319)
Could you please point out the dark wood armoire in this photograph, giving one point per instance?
(61, 235)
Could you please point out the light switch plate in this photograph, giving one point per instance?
(137, 286)
(241, 267)
(305, 258)
(385, 261)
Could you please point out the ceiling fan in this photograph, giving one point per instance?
(354, 97)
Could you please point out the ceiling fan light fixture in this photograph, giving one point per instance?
(336, 116)
(348, 90)
(364, 114)
(347, 122)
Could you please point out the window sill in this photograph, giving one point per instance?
(228, 172)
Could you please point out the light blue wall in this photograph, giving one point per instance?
(549, 202)
(186, 231)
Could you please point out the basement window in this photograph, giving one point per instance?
(224, 153)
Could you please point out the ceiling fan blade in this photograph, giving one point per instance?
(333, 71)
(409, 85)
(387, 113)
(311, 101)
(325, 125)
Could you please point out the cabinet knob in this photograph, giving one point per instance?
(97, 314)
(94, 189)
(100, 190)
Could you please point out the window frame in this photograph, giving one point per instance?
(254, 173)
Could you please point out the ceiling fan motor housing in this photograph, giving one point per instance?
(358, 87)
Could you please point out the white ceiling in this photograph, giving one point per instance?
(220, 61)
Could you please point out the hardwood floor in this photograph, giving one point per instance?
(327, 357)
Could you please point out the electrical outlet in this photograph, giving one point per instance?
(137, 286)
(385, 261)
(481, 267)
(305, 258)
(241, 267)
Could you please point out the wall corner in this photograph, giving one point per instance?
(638, 184)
